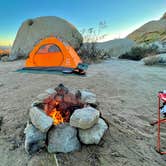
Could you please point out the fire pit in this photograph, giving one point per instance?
(62, 104)
(61, 120)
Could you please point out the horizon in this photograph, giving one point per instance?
(121, 17)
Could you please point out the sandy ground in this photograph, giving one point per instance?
(127, 92)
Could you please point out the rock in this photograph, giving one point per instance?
(84, 118)
(93, 135)
(155, 59)
(88, 97)
(116, 47)
(40, 120)
(63, 138)
(50, 91)
(42, 96)
(151, 60)
(4, 58)
(34, 139)
(36, 103)
(33, 30)
(160, 45)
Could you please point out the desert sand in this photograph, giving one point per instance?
(127, 93)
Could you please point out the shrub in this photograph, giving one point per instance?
(91, 54)
(137, 53)
(89, 51)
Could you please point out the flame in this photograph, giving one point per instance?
(56, 115)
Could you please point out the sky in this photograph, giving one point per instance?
(121, 16)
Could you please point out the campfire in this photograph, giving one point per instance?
(60, 117)
(62, 104)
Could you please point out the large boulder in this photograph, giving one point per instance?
(33, 30)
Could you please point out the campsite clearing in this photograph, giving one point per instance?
(127, 92)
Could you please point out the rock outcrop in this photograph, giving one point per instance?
(150, 32)
(33, 30)
(155, 59)
(116, 47)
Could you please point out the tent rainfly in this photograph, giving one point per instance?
(52, 54)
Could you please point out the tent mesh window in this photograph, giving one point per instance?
(48, 48)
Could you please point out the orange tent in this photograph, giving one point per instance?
(51, 52)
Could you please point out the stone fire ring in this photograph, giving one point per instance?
(83, 124)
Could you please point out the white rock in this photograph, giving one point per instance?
(63, 138)
(36, 102)
(88, 97)
(84, 118)
(42, 96)
(40, 120)
(93, 135)
(50, 91)
(34, 139)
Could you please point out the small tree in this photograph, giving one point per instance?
(137, 53)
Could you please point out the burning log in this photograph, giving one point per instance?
(62, 104)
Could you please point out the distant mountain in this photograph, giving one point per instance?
(4, 47)
(150, 32)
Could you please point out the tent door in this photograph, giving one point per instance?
(48, 55)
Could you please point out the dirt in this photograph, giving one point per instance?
(127, 92)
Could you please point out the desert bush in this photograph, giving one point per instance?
(137, 53)
(91, 54)
(89, 51)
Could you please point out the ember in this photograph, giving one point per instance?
(62, 104)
